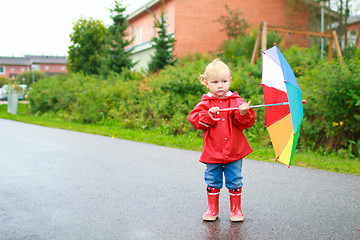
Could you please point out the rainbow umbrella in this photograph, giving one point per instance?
(283, 104)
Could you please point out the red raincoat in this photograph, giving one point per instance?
(223, 141)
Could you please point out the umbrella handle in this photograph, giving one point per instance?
(256, 106)
(215, 119)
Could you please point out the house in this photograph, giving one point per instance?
(195, 25)
(353, 31)
(10, 67)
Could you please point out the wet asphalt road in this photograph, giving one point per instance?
(59, 184)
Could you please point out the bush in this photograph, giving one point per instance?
(302, 59)
(85, 98)
(351, 53)
(240, 49)
(174, 92)
(4, 81)
(30, 76)
(332, 114)
(164, 100)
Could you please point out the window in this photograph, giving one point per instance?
(35, 67)
(138, 35)
(2, 69)
(352, 36)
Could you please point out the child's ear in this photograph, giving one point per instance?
(206, 83)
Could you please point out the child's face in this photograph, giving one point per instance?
(219, 82)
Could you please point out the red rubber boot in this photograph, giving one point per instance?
(213, 204)
(236, 214)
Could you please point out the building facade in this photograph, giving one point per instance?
(195, 25)
(10, 67)
(353, 31)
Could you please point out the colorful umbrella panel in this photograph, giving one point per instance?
(283, 122)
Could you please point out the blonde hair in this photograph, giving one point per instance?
(212, 68)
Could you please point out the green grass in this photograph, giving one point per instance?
(190, 142)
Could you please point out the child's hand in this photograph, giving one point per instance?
(244, 108)
(213, 111)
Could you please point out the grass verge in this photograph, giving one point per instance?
(189, 142)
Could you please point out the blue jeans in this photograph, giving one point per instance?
(232, 172)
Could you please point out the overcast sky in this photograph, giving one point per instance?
(42, 27)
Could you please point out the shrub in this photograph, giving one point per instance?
(240, 49)
(234, 24)
(4, 81)
(29, 77)
(333, 110)
(164, 100)
(174, 92)
(302, 59)
(351, 53)
(86, 98)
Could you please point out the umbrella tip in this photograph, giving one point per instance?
(289, 166)
(303, 101)
(262, 51)
(275, 44)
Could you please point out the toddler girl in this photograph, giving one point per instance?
(224, 143)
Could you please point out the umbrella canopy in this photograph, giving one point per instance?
(283, 122)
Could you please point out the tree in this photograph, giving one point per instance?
(163, 44)
(29, 77)
(344, 8)
(88, 43)
(234, 24)
(119, 57)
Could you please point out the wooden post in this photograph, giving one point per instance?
(332, 37)
(264, 35)
(330, 51)
(256, 48)
(337, 45)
